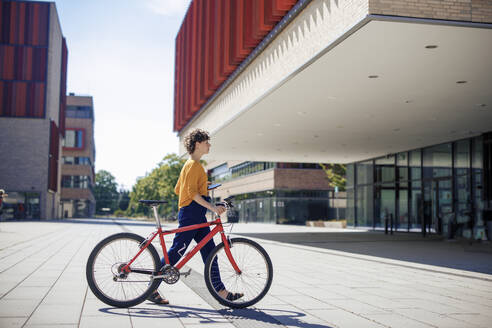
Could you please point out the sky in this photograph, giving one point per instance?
(121, 52)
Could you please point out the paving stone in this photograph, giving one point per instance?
(211, 325)
(306, 302)
(392, 320)
(356, 306)
(431, 318)
(341, 318)
(56, 314)
(12, 322)
(27, 293)
(432, 306)
(114, 321)
(17, 308)
(478, 319)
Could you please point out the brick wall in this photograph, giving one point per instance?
(74, 193)
(479, 11)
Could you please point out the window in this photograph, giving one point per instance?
(74, 138)
(76, 181)
(79, 111)
(364, 172)
(437, 161)
(76, 160)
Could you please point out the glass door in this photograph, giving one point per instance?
(442, 206)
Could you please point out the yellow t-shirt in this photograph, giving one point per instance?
(192, 180)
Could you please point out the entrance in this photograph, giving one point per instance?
(438, 206)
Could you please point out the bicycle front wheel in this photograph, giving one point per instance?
(104, 265)
(255, 278)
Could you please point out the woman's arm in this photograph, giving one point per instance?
(217, 209)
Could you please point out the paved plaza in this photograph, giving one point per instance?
(322, 278)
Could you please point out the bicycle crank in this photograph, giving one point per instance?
(169, 274)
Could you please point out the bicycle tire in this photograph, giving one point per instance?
(113, 251)
(256, 272)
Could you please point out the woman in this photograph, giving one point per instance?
(193, 204)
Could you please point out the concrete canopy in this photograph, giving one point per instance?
(383, 89)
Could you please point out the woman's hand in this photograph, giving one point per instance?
(219, 210)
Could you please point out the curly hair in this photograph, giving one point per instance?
(193, 137)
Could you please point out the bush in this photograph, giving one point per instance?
(119, 213)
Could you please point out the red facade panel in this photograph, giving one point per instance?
(24, 23)
(23, 63)
(63, 87)
(24, 28)
(214, 39)
(22, 99)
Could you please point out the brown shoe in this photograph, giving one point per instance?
(157, 298)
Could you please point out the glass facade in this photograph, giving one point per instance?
(436, 189)
(223, 173)
(285, 206)
(20, 206)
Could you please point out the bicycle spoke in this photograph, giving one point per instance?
(254, 279)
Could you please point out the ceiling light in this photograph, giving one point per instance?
(373, 76)
(276, 124)
(431, 46)
(461, 82)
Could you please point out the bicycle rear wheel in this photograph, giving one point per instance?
(110, 255)
(255, 278)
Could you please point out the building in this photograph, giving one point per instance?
(78, 158)
(33, 74)
(268, 192)
(376, 84)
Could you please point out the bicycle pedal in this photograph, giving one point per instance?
(186, 274)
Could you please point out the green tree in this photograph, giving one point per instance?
(336, 175)
(158, 184)
(123, 199)
(105, 191)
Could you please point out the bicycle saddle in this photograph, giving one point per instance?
(152, 202)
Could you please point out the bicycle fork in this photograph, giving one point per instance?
(227, 249)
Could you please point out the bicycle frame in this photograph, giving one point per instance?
(161, 233)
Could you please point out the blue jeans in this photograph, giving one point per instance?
(189, 215)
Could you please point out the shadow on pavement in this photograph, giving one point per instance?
(409, 247)
(245, 317)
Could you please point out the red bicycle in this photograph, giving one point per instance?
(124, 268)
